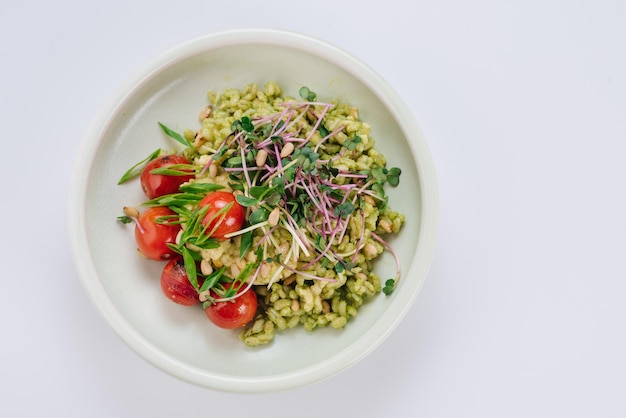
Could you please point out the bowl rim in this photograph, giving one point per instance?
(78, 226)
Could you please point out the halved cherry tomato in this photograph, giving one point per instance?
(224, 223)
(235, 313)
(156, 185)
(175, 284)
(152, 236)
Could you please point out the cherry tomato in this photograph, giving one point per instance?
(152, 237)
(232, 219)
(175, 283)
(235, 313)
(156, 185)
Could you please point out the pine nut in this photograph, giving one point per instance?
(205, 267)
(131, 212)
(295, 305)
(205, 113)
(204, 296)
(325, 307)
(287, 150)
(370, 249)
(265, 270)
(234, 270)
(274, 216)
(384, 224)
(199, 139)
(261, 157)
(213, 170)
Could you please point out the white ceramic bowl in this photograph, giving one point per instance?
(125, 288)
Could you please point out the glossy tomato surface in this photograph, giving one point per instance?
(222, 223)
(152, 236)
(175, 284)
(233, 314)
(156, 185)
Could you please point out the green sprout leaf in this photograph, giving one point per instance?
(246, 201)
(246, 124)
(175, 135)
(212, 279)
(351, 143)
(174, 170)
(200, 188)
(389, 287)
(135, 170)
(258, 216)
(307, 94)
(344, 209)
(190, 267)
(393, 176)
(246, 243)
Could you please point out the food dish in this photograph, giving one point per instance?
(124, 289)
(273, 213)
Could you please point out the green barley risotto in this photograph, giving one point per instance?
(273, 213)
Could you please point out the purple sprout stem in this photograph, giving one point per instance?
(391, 250)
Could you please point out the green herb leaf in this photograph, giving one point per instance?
(190, 267)
(236, 186)
(175, 135)
(259, 191)
(134, 171)
(307, 94)
(247, 124)
(246, 201)
(203, 242)
(125, 219)
(389, 287)
(234, 162)
(273, 199)
(211, 280)
(393, 176)
(278, 183)
(174, 170)
(200, 188)
(174, 199)
(351, 143)
(258, 216)
(324, 132)
(344, 210)
(246, 243)
(236, 126)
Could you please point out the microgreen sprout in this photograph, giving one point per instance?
(307, 94)
(317, 199)
(390, 284)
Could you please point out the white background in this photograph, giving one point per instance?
(523, 104)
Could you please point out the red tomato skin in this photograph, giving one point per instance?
(233, 220)
(157, 185)
(152, 238)
(233, 314)
(175, 284)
